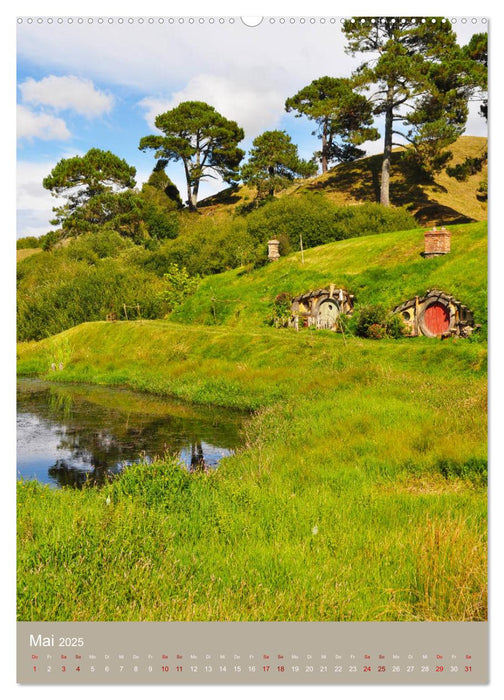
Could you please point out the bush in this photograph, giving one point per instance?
(205, 246)
(396, 328)
(375, 322)
(179, 285)
(369, 219)
(315, 219)
(282, 309)
(91, 247)
(70, 286)
(27, 242)
(368, 317)
(309, 216)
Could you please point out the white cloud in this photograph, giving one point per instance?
(67, 92)
(152, 57)
(254, 108)
(154, 106)
(34, 203)
(40, 125)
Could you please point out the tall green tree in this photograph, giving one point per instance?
(477, 52)
(420, 80)
(81, 179)
(202, 139)
(343, 117)
(274, 162)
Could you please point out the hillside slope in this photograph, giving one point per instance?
(385, 269)
(444, 201)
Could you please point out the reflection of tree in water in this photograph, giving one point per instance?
(99, 440)
(66, 474)
(197, 458)
(91, 473)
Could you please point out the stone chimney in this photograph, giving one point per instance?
(436, 242)
(273, 252)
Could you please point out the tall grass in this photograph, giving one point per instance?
(359, 493)
(160, 544)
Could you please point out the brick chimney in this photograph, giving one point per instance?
(273, 252)
(437, 242)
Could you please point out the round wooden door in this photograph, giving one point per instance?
(436, 319)
(328, 314)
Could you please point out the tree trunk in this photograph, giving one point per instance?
(323, 159)
(271, 173)
(193, 196)
(191, 202)
(191, 199)
(387, 149)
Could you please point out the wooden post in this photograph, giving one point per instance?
(125, 312)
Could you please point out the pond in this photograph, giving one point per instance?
(70, 434)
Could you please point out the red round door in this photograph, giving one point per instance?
(436, 319)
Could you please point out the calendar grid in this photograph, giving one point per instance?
(247, 652)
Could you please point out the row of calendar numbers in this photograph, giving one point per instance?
(208, 668)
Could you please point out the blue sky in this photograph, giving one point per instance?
(82, 85)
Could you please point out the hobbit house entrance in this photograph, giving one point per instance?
(436, 314)
(321, 308)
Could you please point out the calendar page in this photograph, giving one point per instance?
(252, 350)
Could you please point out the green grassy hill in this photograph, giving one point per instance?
(442, 201)
(385, 269)
(359, 492)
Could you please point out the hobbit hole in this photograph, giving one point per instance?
(436, 314)
(321, 308)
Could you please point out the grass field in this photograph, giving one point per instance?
(359, 494)
(360, 490)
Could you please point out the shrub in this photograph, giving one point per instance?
(396, 328)
(308, 217)
(50, 239)
(205, 246)
(57, 291)
(313, 218)
(92, 247)
(375, 322)
(282, 309)
(376, 331)
(27, 242)
(179, 285)
(370, 316)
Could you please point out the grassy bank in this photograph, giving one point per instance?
(359, 493)
(386, 269)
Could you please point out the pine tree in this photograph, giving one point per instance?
(343, 118)
(202, 139)
(274, 163)
(421, 81)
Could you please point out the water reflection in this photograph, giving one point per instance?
(68, 435)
